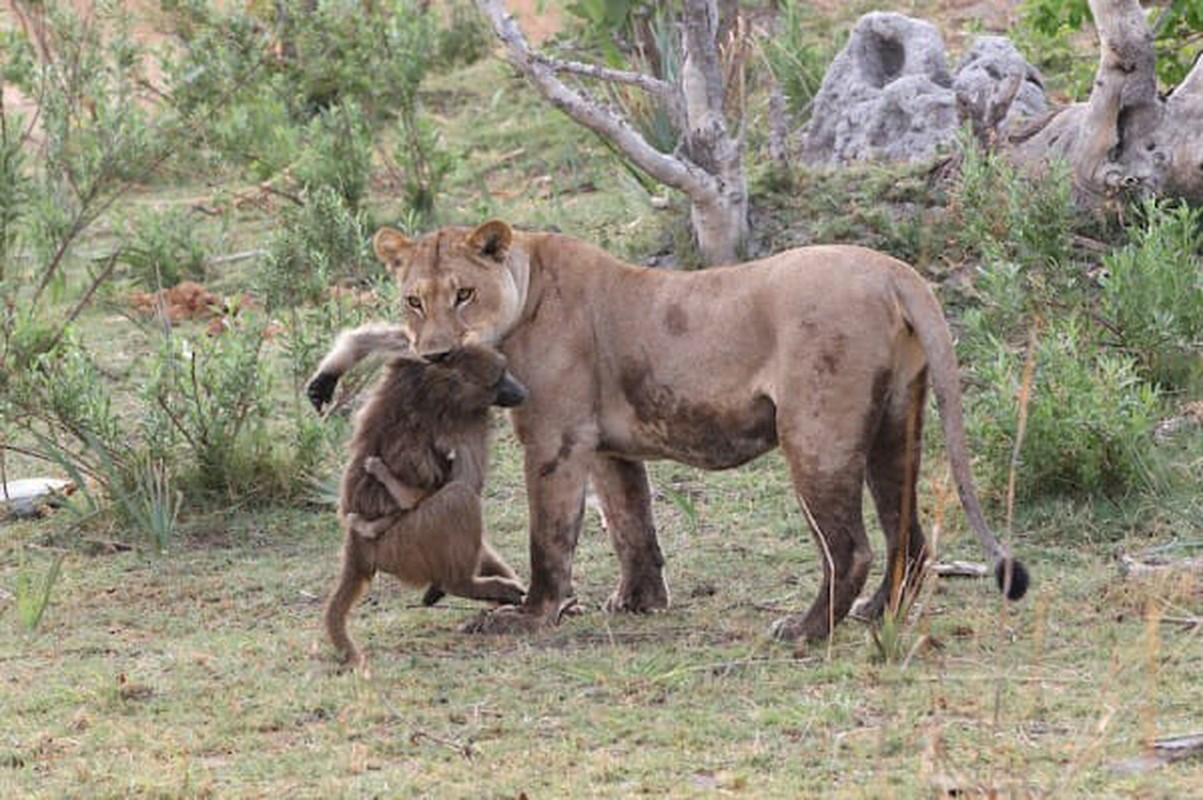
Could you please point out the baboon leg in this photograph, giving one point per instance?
(351, 585)
(447, 530)
(827, 465)
(349, 349)
(369, 528)
(893, 473)
(491, 565)
(405, 496)
(493, 588)
(626, 499)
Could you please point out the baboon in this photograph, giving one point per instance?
(410, 497)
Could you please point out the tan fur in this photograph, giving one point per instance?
(410, 499)
(823, 351)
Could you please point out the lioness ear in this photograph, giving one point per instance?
(390, 245)
(492, 240)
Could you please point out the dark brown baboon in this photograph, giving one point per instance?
(410, 499)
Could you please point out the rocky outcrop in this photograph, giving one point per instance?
(889, 93)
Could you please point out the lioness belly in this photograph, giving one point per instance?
(657, 423)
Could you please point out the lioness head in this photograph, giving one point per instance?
(458, 286)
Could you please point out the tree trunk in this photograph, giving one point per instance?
(1125, 138)
(708, 169)
(720, 221)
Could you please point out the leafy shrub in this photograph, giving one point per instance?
(212, 395)
(795, 57)
(1048, 26)
(1006, 213)
(1090, 417)
(1091, 412)
(1153, 293)
(424, 163)
(162, 249)
(466, 37)
(317, 242)
(337, 154)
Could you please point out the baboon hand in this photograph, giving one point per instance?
(321, 389)
(373, 466)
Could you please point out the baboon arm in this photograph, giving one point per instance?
(404, 495)
(350, 348)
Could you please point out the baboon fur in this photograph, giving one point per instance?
(427, 424)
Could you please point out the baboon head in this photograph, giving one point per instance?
(472, 378)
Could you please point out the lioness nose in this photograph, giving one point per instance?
(437, 358)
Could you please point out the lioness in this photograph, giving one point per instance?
(823, 351)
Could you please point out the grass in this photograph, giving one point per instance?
(206, 674)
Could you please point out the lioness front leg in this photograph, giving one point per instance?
(557, 507)
(405, 496)
(625, 494)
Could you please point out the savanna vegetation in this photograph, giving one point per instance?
(187, 192)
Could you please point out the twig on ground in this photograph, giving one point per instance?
(1167, 750)
(1132, 565)
(464, 750)
(960, 569)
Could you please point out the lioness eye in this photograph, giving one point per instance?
(414, 302)
(464, 295)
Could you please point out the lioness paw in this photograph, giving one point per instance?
(506, 620)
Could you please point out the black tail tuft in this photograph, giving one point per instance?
(1019, 578)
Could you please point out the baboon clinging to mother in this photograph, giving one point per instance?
(410, 498)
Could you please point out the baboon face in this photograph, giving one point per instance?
(476, 378)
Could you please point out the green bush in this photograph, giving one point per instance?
(211, 395)
(1153, 294)
(162, 249)
(1048, 27)
(1090, 412)
(317, 243)
(337, 154)
(1005, 213)
(797, 58)
(466, 38)
(1090, 415)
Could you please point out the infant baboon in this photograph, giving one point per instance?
(410, 498)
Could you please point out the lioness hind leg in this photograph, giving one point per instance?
(892, 475)
(831, 503)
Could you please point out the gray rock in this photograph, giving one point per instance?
(888, 94)
(985, 71)
(22, 497)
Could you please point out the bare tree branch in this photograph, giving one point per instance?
(673, 171)
(646, 82)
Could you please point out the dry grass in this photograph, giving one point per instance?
(204, 674)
